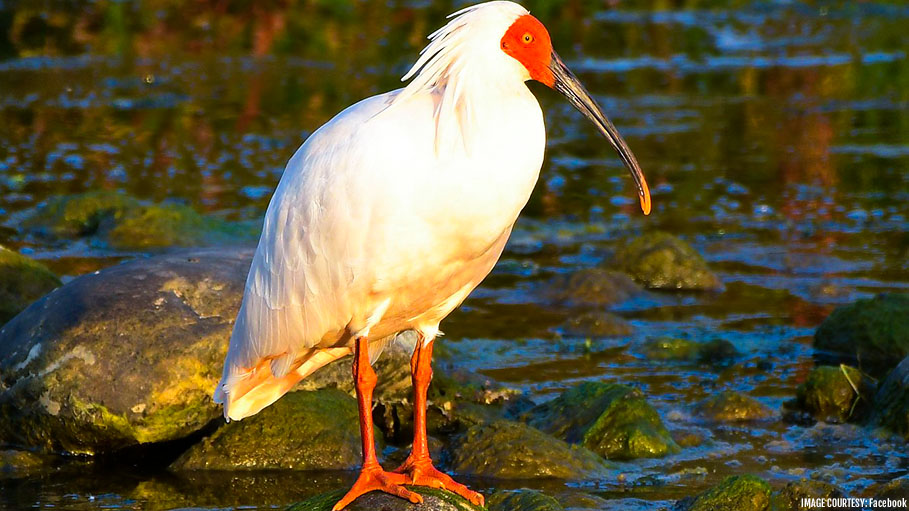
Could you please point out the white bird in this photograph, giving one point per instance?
(391, 213)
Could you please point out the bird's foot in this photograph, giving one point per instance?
(375, 479)
(420, 472)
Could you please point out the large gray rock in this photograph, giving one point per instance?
(124, 356)
(131, 354)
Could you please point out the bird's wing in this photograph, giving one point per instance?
(296, 291)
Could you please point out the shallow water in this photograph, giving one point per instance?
(774, 137)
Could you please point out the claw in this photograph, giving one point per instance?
(421, 472)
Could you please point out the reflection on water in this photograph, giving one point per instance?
(774, 135)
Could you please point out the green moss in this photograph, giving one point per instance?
(612, 420)
(735, 493)
(790, 497)
(522, 500)
(511, 450)
(873, 332)
(829, 395)
(731, 406)
(81, 215)
(22, 281)
(304, 430)
(660, 260)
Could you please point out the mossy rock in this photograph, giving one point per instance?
(716, 352)
(512, 450)
(84, 214)
(14, 463)
(304, 430)
(891, 402)
(22, 281)
(735, 493)
(433, 500)
(596, 324)
(612, 420)
(828, 394)
(127, 223)
(128, 355)
(522, 500)
(731, 406)
(872, 332)
(893, 490)
(789, 498)
(593, 287)
(661, 260)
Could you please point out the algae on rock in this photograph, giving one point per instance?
(873, 333)
(522, 500)
(512, 450)
(612, 420)
(304, 430)
(735, 493)
(731, 406)
(22, 281)
(835, 394)
(661, 260)
(433, 500)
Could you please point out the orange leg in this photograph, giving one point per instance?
(418, 465)
(372, 477)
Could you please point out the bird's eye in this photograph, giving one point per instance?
(528, 38)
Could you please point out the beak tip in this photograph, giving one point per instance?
(645, 197)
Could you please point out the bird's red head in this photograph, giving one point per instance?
(528, 42)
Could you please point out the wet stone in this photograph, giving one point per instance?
(731, 406)
(615, 421)
(893, 490)
(596, 324)
(891, 403)
(22, 281)
(304, 430)
(522, 500)
(829, 394)
(512, 450)
(591, 287)
(433, 500)
(716, 352)
(872, 333)
(14, 463)
(661, 260)
(128, 355)
(735, 493)
(789, 498)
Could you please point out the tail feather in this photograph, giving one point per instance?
(259, 388)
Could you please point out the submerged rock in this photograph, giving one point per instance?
(522, 500)
(717, 352)
(891, 403)
(22, 281)
(835, 394)
(612, 420)
(511, 450)
(731, 406)
(304, 430)
(592, 287)
(873, 333)
(433, 500)
(15, 463)
(128, 355)
(596, 324)
(790, 497)
(127, 223)
(660, 260)
(735, 493)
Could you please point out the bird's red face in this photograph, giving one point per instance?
(528, 42)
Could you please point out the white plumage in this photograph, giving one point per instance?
(389, 214)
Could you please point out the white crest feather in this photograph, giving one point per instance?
(458, 54)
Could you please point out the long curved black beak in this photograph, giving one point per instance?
(568, 84)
